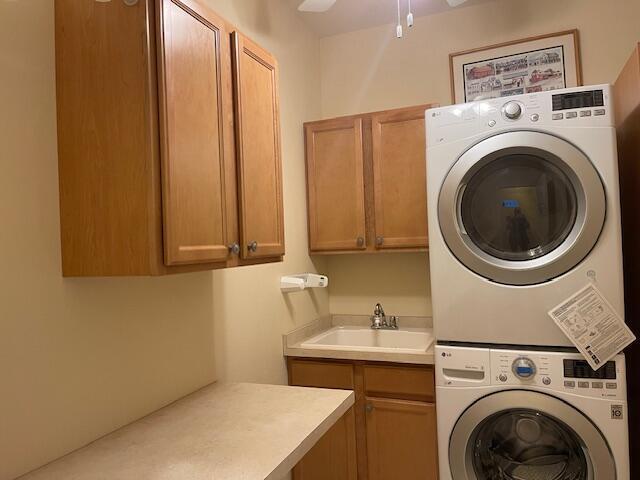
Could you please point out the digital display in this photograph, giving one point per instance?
(581, 369)
(567, 101)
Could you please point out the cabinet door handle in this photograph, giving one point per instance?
(379, 240)
(234, 248)
(368, 408)
(253, 246)
(360, 241)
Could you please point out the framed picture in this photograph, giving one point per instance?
(535, 64)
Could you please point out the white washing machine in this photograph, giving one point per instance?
(530, 415)
(524, 211)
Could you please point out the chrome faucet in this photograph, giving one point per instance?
(379, 320)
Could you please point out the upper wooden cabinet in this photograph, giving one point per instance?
(258, 145)
(366, 182)
(151, 181)
(335, 180)
(399, 178)
(194, 71)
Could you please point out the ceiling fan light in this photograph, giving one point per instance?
(455, 3)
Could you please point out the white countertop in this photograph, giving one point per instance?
(294, 343)
(222, 432)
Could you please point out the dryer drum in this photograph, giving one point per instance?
(522, 208)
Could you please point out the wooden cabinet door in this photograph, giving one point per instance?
(401, 440)
(196, 131)
(258, 149)
(334, 456)
(400, 185)
(335, 184)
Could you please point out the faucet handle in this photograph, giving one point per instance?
(393, 322)
(378, 311)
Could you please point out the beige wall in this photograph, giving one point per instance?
(80, 357)
(372, 70)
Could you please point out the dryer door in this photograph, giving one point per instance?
(525, 435)
(522, 207)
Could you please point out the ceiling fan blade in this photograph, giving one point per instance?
(316, 5)
(455, 3)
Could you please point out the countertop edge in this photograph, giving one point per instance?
(426, 358)
(308, 443)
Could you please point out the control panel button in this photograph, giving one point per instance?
(569, 384)
(597, 385)
(492, 123)
(535, 117)
(612, 385)
(599, 111)
(557, 116)
(571, 115)
(512, 110)
(583, 384)
(502, 377)
(523, 368)
(585, 113)
(546, 381)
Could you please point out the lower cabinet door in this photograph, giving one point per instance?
(401, 440)
(334, 456)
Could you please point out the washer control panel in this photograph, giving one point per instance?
(555, 370)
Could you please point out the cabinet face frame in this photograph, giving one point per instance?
(311, 129)
(272, 208)
(216, 251)
(381, 170)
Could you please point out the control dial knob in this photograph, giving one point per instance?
(523, 368)
(512, 110)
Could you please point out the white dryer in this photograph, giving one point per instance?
(524, 211)
(529, 415)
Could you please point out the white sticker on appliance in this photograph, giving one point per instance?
(593, 326)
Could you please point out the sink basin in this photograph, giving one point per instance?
(404, 340)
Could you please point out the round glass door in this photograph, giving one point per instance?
(522, 207)
(526, 444)
(525, 435)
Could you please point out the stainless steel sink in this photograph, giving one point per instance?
(403, 340)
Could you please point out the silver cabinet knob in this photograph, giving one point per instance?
(360, 241)
(234, 248)
(253, 246)
(368, 408)
(379, 240)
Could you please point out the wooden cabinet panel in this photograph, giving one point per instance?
(335, 180)
(401, 440)
(334, 456)
(258, 149)
(399, 171)
(321, 374)
(413, 383)
(105, 138)
(194, 93)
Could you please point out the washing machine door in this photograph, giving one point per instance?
(525, 435)
(522, 207)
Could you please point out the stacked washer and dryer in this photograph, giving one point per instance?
(524, 211)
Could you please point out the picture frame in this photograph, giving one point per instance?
(539, 63)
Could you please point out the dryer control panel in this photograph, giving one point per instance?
(572, 108)
(555, 370)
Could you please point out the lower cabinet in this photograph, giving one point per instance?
(334, 456)
(389, 434)
(401, 440)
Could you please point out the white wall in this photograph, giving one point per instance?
(81, 357)
(371, 70)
